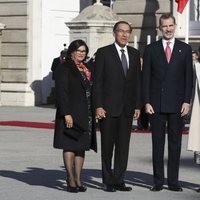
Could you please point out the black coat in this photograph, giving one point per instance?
(112, 90)
(166, 86)
(71, 100)
(56, 62)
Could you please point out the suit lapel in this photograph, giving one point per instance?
(162, 60)
(175, 52)
(117, 59)
(131, 60)
(161, 52)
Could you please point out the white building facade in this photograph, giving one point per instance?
(36, 31)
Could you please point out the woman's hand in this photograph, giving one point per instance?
(68, 121)
(149, 109)
(100, 113)
(136, 114)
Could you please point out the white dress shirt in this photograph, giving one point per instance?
(120, 53)
(172, 41)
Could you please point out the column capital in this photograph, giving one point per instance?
(2, 27)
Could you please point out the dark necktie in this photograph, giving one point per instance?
(124, 62)
(168, 52)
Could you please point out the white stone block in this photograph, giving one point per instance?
(17, 99)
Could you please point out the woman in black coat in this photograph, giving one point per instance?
(73, 84)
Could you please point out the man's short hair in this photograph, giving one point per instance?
(166, 16)
(121, 22)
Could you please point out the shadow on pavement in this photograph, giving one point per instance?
(56, 178)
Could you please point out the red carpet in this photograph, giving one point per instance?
(51, 125)
(184, 132)
(27, 124)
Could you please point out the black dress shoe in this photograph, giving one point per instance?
(109, 188)
(122, 187)
(82, 188)
(156, 188)
(175, 188)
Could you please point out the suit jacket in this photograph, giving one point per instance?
(55, 63)
(113, 91)
(166, 86)
(71, 100)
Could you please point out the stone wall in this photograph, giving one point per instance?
(35, 34)
(14, 54)
(14, 41)
(2, 27)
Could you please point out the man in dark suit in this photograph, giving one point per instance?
(117, 100)
(57, 61)
(167, 87)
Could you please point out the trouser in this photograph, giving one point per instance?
(158, 123)
(115, 136)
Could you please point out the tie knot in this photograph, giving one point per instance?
(168, 43)
(122, 50)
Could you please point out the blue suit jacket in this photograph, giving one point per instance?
(166, 86)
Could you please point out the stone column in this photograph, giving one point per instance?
(2, 27)
(94, 25)
(95, 34)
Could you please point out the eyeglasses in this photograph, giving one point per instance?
(123, 31)
(80, 51)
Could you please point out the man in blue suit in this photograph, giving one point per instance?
(167, 88)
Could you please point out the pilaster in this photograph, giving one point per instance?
(2, 27)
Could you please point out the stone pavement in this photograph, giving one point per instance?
(31, 169)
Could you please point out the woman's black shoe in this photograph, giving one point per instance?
(156, 188)
(82, 188)
(198, 190)
(72, 189)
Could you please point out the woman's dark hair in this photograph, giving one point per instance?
(74, 45)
